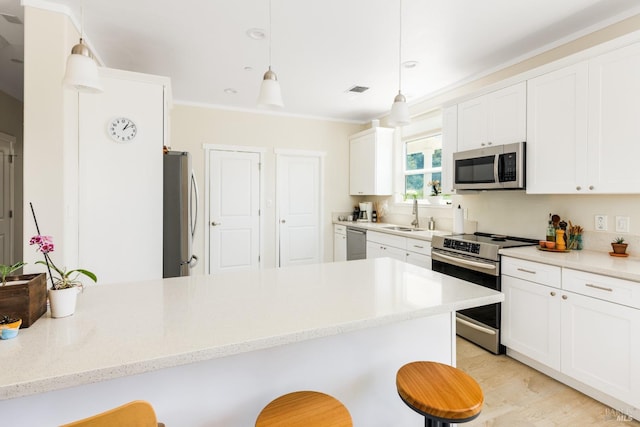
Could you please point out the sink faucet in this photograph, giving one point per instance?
(415, 212)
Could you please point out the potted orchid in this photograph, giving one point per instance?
(64, 283)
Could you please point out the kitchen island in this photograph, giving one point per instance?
(213, 350)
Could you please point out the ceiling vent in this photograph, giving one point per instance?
(358, 89)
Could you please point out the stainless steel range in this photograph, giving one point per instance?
(475, 258)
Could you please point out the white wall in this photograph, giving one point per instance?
(193, 126)
(50, 138)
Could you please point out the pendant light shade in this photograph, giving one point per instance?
(399, 111)
(270, 95)
(399, 115)
(82, 71)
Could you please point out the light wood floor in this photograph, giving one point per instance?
(517, 395)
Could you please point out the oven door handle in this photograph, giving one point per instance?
(476, 327)
(465, 261)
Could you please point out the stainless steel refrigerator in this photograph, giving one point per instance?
(179, 215)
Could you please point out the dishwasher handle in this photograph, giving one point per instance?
(355, 230)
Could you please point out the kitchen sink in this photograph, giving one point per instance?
(402, 228)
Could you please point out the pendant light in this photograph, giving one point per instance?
(399, 110)
(82, 71)
(270, 95)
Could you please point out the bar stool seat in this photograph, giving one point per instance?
(441, 393)
(304, 409)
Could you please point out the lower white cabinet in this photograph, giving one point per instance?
(531, 320)
(381, 245)
(411, 251)
(418, 252)
(339, 243)
(589, 336)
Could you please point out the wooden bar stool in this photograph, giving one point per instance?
(304, 409)
(439, 392)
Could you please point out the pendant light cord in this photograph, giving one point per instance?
(270, 36)
(81, 20)
(399, 50)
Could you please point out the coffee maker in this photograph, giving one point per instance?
(366, 209)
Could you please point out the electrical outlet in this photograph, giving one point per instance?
(622, 224)
(601, 223)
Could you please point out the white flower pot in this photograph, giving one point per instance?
(63, 301)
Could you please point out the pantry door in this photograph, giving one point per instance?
(299, 194)
(234, 210)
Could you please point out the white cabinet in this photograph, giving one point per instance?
(412, 251)
(531, 310)
(557, 131)
(418, 252)
(582, 325)
(614, 109)
(495, 118)
(370, 162)
(582, 128)
(385, 245)
(601, 346)
(449, 146)
(339, 243)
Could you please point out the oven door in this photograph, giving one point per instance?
(480, 325)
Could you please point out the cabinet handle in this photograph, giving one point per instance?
(553, 294)
(215, 224)
(564, 297)
(482, 144)
(591, 187)
(526, 271)
(578, 188)
(489, 143)
(418, 246)
(589, 285)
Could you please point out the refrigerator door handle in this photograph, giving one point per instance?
(194, 200)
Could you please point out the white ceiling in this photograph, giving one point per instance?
(322, 48)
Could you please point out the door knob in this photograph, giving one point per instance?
(213, 223)
(282, 221)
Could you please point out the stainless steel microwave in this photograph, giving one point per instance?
(499, 167)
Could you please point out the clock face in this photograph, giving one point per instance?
(122, 129)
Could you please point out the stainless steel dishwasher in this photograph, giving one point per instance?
(356, 244)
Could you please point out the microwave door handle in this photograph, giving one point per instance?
(496, 169)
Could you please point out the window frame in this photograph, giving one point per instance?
(422, 171)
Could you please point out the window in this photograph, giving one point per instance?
(423, 166)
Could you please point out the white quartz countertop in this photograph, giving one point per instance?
(591, 261)
(130, 328)
(382, 227)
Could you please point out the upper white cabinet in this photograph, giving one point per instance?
(449, 146)
(370, 162)
(557, 131)
(613, 133)
(582, 128)
(495, 118)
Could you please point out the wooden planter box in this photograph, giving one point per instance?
(27, 301)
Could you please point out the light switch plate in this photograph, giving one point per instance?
(600, 223)
(622, 224)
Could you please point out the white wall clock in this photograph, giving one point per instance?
(122, 129)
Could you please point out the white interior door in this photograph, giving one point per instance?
(299, 181)
(234, 211)
(6, 199)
